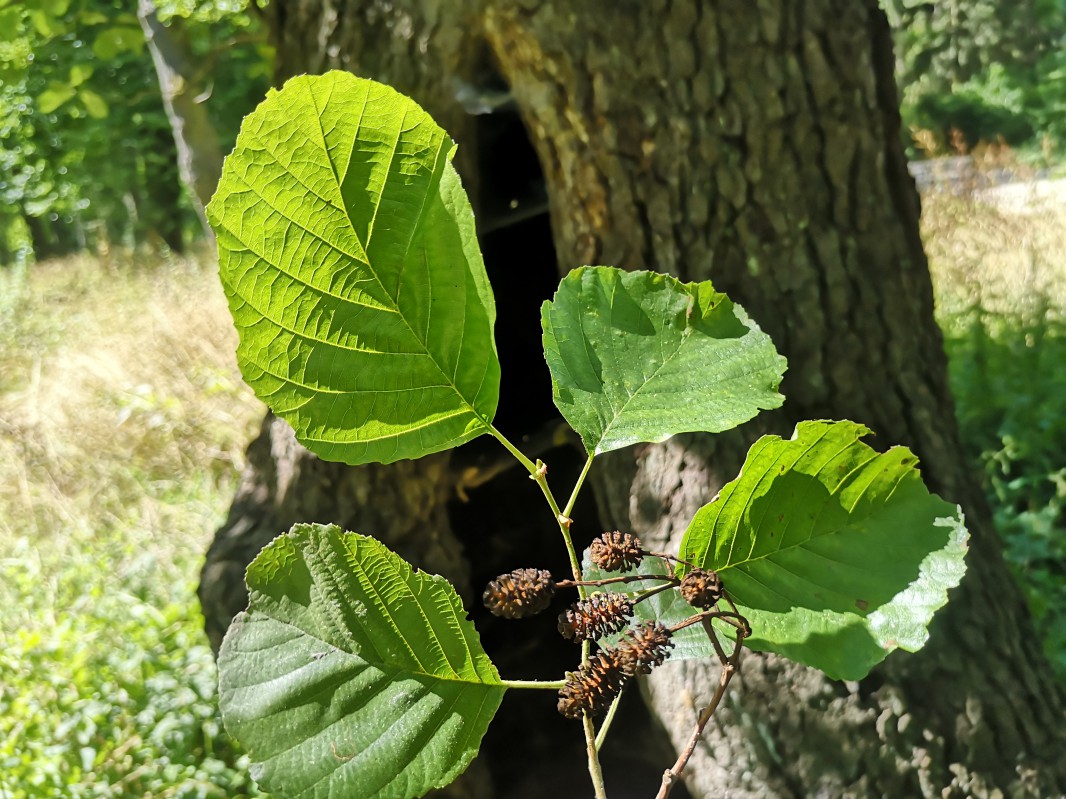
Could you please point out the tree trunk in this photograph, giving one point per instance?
(162, 218)
(49, 238)
(199, 153)
(756, 144)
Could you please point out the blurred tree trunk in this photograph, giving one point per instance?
(48, 238)
(162, 214)
(758, 145)
(199, 153)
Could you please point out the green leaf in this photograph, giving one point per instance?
(640, 356)
(111, 42)
(55, 8)
(351, 674)
(79, 73)
(11, 25)
(93, 103)
(45, 24)
(348, 253)
(88, 17)
(53, 97)
(836, 554)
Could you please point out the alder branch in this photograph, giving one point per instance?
(730, 666)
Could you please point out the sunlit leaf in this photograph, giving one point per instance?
(348, 253)
(55, 8)
(835, 553)
(93, 103)
(45, 24)
(640, 356)
(53, 97)
(79, 73)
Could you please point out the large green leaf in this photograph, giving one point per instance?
(835, 553)
(348, 254)
(351, 674)
(640, 356)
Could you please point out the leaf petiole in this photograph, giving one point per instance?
(526, 462)
(546, 685)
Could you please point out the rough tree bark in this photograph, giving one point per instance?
(756, 144)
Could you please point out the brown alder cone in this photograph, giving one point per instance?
(614, 551)
(701, 588)
(593, 687)
(520, 593)
(643, 648)
(595, 617)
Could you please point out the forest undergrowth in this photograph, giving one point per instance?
(123, 422)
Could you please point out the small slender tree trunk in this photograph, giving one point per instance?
(49, 239)
(40, 241)
(199, 153)
(163, 216)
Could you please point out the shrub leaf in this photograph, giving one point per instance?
(835, 553)
(351, 674)
(640, 356)
(348, 255)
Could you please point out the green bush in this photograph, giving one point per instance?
(108, 688)
(975, 113)
(1008, 377)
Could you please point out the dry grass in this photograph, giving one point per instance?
(999, 248)
(121, 407)
(1004, 258)
(123, 421)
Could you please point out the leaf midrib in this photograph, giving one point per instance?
(415, 229)
(385, 666)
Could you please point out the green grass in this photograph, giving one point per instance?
(122, 427)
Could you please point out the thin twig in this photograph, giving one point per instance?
(595, 772)
(601, 735)
(672, 774)
(653, 591)
(628, 578)
(730, 665)
(666, 556)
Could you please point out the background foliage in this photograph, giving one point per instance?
(1000, 282)
(985, 68)
(122, 426)
(87, 157)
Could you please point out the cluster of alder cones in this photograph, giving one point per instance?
(641, 647)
